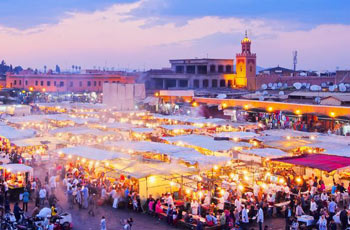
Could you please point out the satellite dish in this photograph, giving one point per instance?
(323, 84)
(285, 85)
(258, 93)
(342, 88)
(261, 98)
(264, 86)
(281, 93)
(221, 96)
(318, 100)
(331, 88)
(270, 85)
(335, 86)
(265, 93)
(315, 88)
(297, 85)
(273, 87)
(279, 84)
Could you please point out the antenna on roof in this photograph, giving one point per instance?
(295, 60)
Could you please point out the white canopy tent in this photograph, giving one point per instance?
(92, 153)
(176, 152)
(16, 168)
(15, 134)
(206, 142)
(240, 135)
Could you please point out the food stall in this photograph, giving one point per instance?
(16, 177)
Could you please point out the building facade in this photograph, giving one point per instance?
(90, 81)
(207, 73)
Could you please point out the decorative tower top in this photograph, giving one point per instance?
(246, 44)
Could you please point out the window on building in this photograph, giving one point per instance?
(20, 82)
(54, 83)
(222, 83)
(89, 83)
(95, 83)
(205, 83)
(71, 84)
(42, 83)
(99, 83)
(61, 83)
(26, 82)
(202, 69)
(229, 82)
(15, 82)
(179, 69)
(36, 83)
(196, 84)
(212, 68)
(113, 81)
(48, 83)
(106, 81)
(220, 68)
(228, 68)
(80, 84)
(183, 83)
(190, 69)
(214, 83)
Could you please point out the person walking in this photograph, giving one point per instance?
(103, 223)
(260, 217)
(92, 204)
(25, 200)
(42, 195)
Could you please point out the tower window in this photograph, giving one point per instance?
(214, 83)
(196, 83)
(251, 68)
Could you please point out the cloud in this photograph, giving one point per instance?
(113, 37)
(23, 14)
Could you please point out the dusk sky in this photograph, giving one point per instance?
(147, 33)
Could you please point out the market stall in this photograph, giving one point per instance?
(16, 177)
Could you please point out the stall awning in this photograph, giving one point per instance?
(323, 162)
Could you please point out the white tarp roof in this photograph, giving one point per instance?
(178, 152)
(266, 152)
(333, 144)
(15, 168)
(92, 153)
(288, 132)
(232, 135)
(142, 130)
(81, 131)
(139, 169)
(15, 134)
(38, 141)
(174, 127)
(118, 125)
(206, 142)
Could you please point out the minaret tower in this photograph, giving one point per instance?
(246, 66)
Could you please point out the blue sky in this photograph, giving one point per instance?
(270, 23)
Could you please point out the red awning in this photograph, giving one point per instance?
(323, 162)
